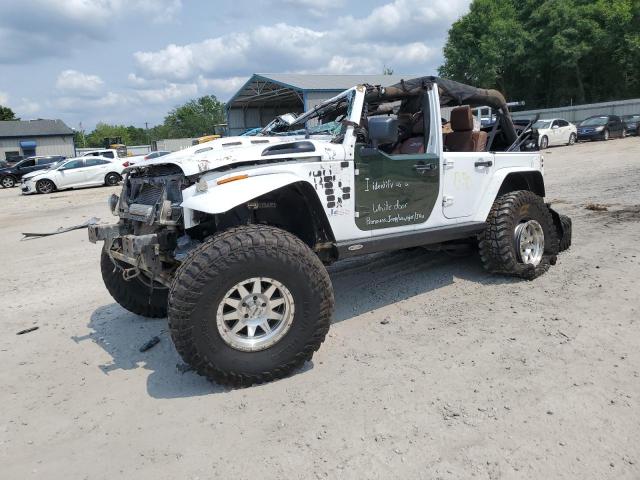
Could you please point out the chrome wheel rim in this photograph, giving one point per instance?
(529, 238)
(572, 139)
(544, 143)
(255, 314)
(606, 134)
(7, 182)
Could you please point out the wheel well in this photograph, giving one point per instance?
(42, 179)
(531, 181)
(294, 208)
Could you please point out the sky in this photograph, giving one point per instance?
(131, 61)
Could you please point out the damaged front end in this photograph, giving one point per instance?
(145, 240)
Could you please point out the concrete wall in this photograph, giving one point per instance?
(54, 145)
(173, 144)
(577, 113)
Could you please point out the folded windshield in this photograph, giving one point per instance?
(325, 119)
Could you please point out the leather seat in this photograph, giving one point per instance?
(461, 138)
(415, 143)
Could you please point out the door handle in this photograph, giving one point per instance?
(426, 167)
(487, 163)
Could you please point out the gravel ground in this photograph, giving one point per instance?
(432, 368)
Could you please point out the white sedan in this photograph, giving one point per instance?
(73, 173)
(555, 131)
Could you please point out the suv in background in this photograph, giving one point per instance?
(602, 127)
(10, 176)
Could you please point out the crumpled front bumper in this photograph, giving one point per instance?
(143, 252)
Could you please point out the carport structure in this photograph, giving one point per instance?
(266, 95)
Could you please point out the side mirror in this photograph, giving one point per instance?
(555, 127)
(383, 130)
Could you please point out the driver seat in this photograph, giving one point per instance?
(415, 143)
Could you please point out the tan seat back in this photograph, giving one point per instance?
(461, 138)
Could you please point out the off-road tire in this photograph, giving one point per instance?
(133, 295)
(8, 181)
(497, 246)
(233, 256)
(111, 179)
(45, 186)
(565, 241)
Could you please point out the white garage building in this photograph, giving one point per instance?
(266, 95)
(35, 137)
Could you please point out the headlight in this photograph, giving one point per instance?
(599, 129)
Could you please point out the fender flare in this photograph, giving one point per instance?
(222, 198)
(495, 185)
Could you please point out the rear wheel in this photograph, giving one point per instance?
(520, 238)
(250, 305)
(624, 133)
(8, 182)
(112, 179)
(572, 139)
(45, 186)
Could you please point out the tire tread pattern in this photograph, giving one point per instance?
(497, 250)
(210, 260)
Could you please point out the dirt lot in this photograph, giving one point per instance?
(432, 369)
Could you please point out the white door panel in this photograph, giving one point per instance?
(465, 176)
(71, 178)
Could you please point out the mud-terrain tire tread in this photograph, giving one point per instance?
(565, 241)
(210, 260)
(133, 295)
(497, 251)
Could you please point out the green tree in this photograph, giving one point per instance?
(7, 114)
(195, 118)
(548, 52)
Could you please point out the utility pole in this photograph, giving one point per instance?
(146, 127)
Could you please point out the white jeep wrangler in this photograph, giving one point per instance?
(230, 238)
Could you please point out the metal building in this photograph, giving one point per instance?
(35, 137)
(266, 95)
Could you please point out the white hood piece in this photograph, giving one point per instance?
(228, 150)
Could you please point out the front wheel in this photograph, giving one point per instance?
(572, 139)
(605, 135)
(544, 143)
(112, 179)
(624, 133)
(136, 294)
(520, 238)
(45, 186)
(8, 182)
(250, 305)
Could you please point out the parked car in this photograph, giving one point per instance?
(602, 127)
(10, 176)
(109, 153)
(74, 173)
(555, 131)
(633, 124)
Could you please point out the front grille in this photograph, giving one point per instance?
(148, 194)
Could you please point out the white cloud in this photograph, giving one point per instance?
(27, 107)
(406, 35)
(72, 81)
(4, 98)
(171, 91)
(136, 81)
(221, 87)
(110, 100)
